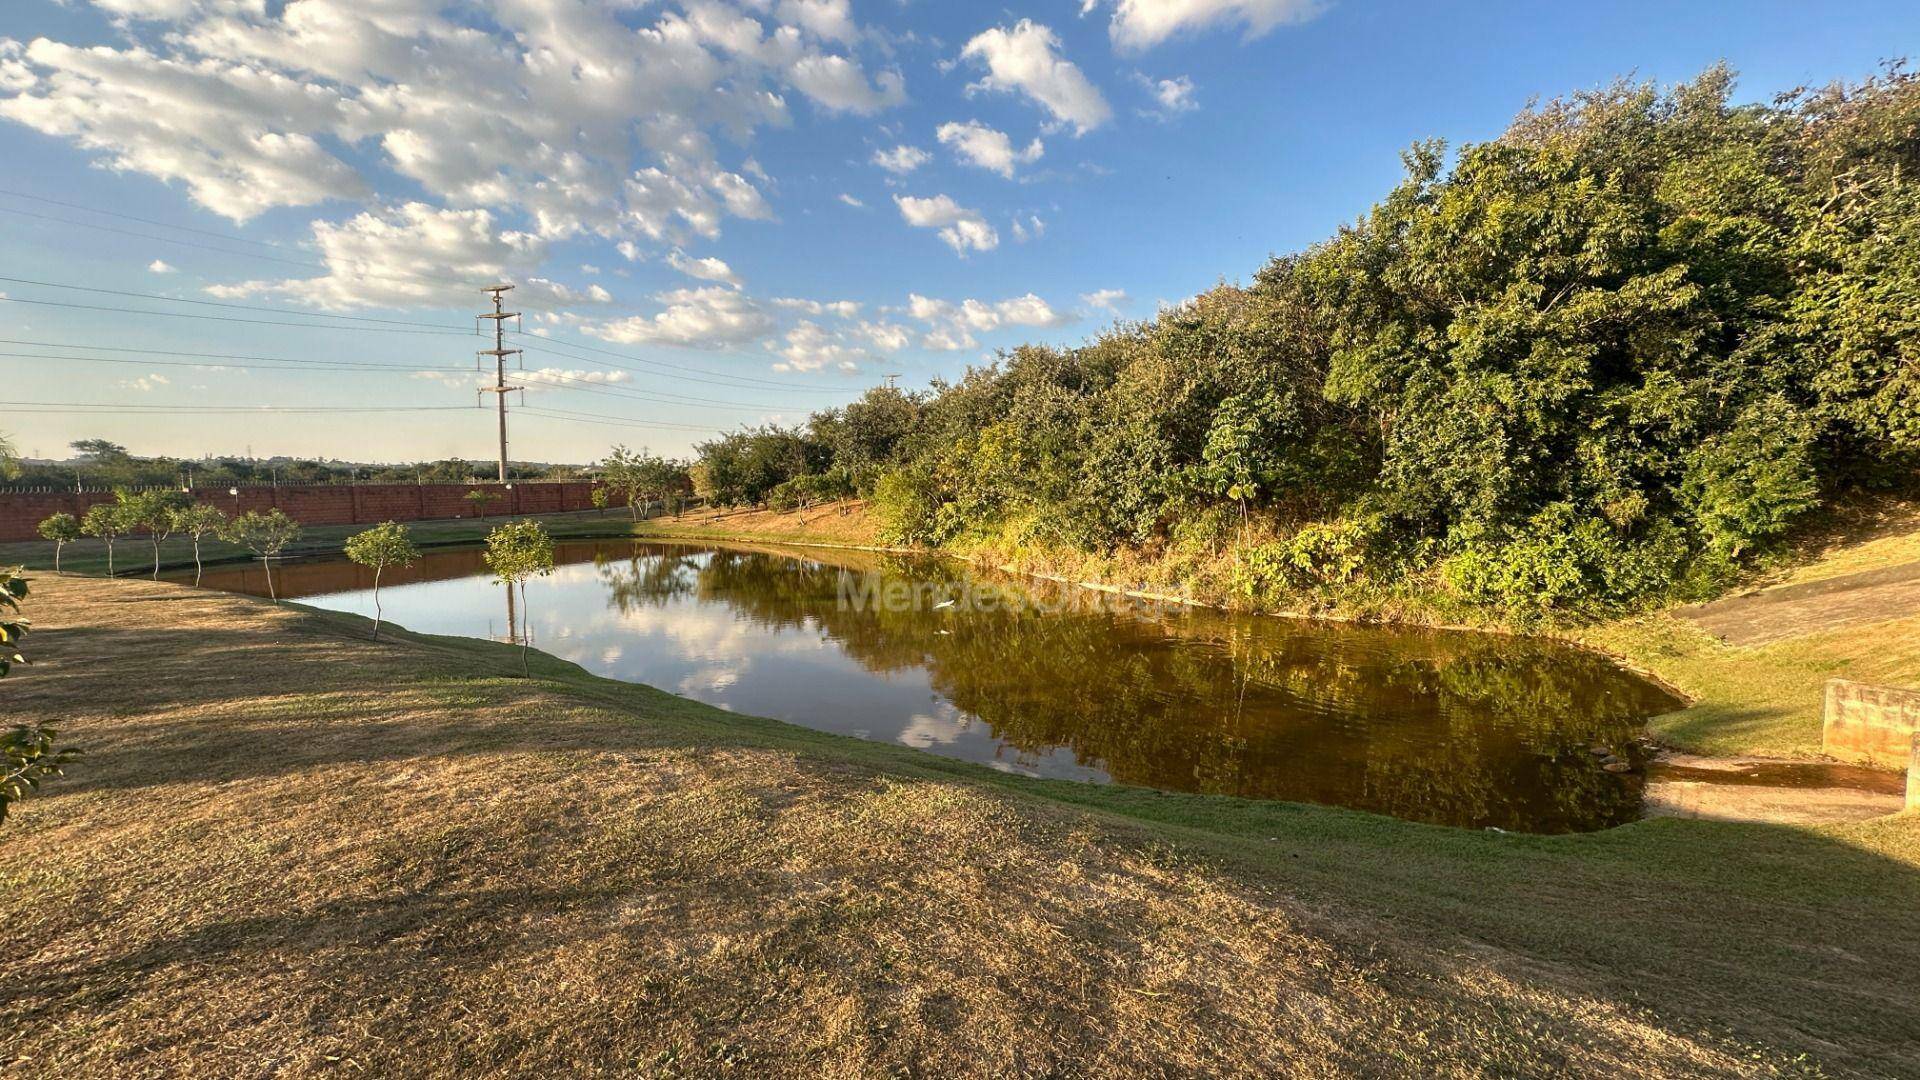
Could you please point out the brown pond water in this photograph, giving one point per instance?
(1452, 728)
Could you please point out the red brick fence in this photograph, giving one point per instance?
(323, 504)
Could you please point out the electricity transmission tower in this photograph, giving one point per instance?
(499, 352)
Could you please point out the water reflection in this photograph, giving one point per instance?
(1452, 728)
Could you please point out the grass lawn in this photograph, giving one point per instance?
(292, 849)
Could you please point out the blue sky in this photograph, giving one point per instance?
(708, 205)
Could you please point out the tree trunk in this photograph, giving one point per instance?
(526, 631)
(156, 558)
(57, 545)
(109, 558)
(266, 564)
(196, 562)
(376, 602)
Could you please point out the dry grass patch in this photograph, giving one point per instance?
(296, 851)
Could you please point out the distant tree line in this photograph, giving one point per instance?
(1605, 357)
(101, 463)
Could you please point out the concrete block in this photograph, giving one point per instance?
(1875, 724)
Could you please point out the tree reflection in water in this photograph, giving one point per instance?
(1452, 728)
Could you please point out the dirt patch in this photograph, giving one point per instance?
(1769, 791)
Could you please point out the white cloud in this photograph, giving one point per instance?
(838, 84)
(851, 201)
(1030, 229)
(1173, 96)
(159, 266)
(1142, 24)
(714, 317)
(574, 114)
(1108, 300)
(569, 376)
(845, 309)
(810, 348)
(1026, 60)
(414, 256)
(902, 159)
(828, 19)
(707, 269)
(961, 228)
(982, 146)
(951, 326)
(885, 336)
(147, 383)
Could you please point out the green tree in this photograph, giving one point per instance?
(28, 753)
(382, 546)
(154, 512)
(105, 521)
(515, 553)
(639, 477)
(266, 533)
(62, 529)
(479, 498)
(600, 497)
(198, 521)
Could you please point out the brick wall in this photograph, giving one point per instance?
(335, 504)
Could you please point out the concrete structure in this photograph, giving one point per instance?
(1913, 775)
(323, 504)
(1875, 724)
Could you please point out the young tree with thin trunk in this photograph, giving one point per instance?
(198, 521)
(380, 547)
(515, 553)
(106, 521)
(62, 529)
(266, 533)
(152, 511)
(480, 497)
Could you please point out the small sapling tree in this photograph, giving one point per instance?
(600, 498)
(515, 553)
(480, 497)
(106, 521)
(62, 529)
(152, 512)
(266, 533)
(380, 547)
(198, 521)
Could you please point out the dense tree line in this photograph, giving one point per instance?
(1604, 357)
(101, 463)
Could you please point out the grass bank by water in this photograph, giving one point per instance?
(292, 849)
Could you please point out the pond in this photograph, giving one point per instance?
(1452, 728)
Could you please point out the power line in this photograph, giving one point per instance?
(236, 307)
(220, 318)
(546, 378)
(141, 220)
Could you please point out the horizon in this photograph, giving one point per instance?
(820, 196)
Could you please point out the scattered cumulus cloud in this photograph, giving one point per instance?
(577, 117)
(1108, 300)
(951, 326)
(713, 317)
(707, 269)
(1026, 60)
(902, 159)
(962, 229)
(845, 309)
(159, 266)
(1030, 228)
(1142, 24)
(147, 383)
(851, 201)
(986, 148)
(810, 348)
(1171, 96)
